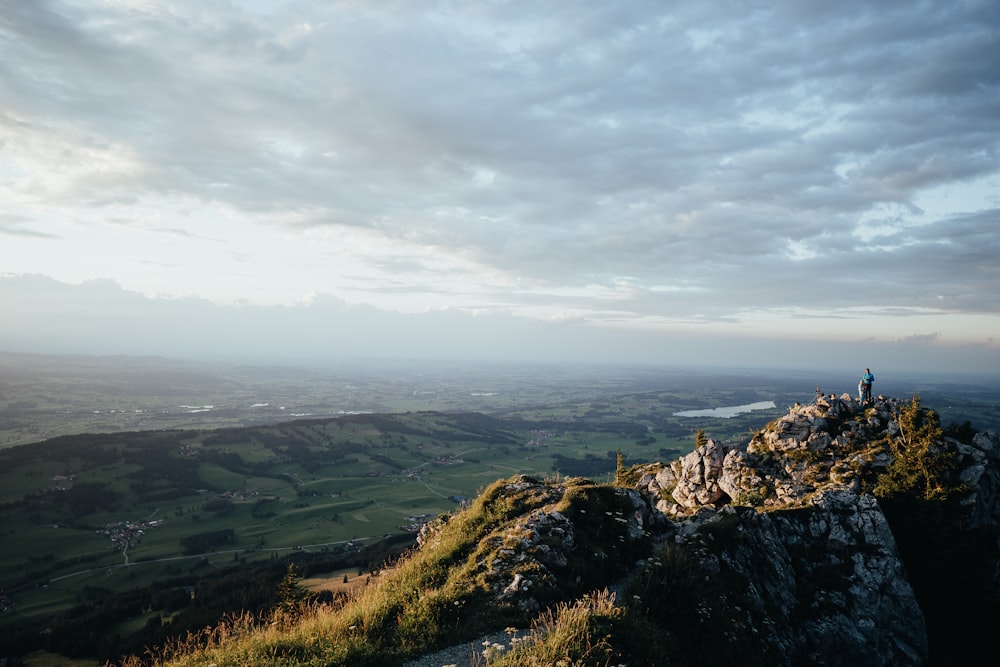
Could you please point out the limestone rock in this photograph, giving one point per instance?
(826, 574)
(698, 480)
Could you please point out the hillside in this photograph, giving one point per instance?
(115, 541)
(839, 534)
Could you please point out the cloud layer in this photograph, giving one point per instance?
(99, 317)
(800, 168)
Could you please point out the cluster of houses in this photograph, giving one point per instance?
(444, 459)
(416, 522)
(245, 494)
(124, 533)
(61, 480)
(540, 438)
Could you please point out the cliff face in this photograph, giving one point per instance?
(816, 553)
(800, 562)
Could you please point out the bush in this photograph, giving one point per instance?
(922, 466)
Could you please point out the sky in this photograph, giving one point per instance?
(769, 183)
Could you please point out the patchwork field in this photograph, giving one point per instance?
(108, 512)
(118, 511)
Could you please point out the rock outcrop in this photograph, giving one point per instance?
(809, 539)
(788, 520)
(569, 537)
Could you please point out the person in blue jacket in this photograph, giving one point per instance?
(865, 386)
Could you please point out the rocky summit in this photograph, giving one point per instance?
(828, 538)
(815, 548)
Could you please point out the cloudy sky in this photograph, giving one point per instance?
(679, 182)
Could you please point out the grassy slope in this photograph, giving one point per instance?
(366, 477)
(441, 594)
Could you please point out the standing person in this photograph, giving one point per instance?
(866, 386)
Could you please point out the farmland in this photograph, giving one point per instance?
(88, 515)
(124, 509)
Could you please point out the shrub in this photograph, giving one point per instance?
(921, 466)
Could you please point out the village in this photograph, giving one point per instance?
(124, 534)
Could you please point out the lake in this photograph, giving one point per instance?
(726, 412)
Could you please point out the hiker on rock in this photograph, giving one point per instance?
(865, 386)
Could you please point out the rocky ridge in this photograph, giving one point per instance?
(789, 515)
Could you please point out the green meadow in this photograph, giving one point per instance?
(91, 513)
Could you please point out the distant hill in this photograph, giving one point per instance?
(45, 396)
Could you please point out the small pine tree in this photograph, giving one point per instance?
(700, 439)
(921, 466)
(290, 594)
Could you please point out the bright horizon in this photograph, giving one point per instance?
(690, 184)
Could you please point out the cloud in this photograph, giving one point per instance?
(17, 225)
(99, 317)
(614, 163)
(920, 339)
